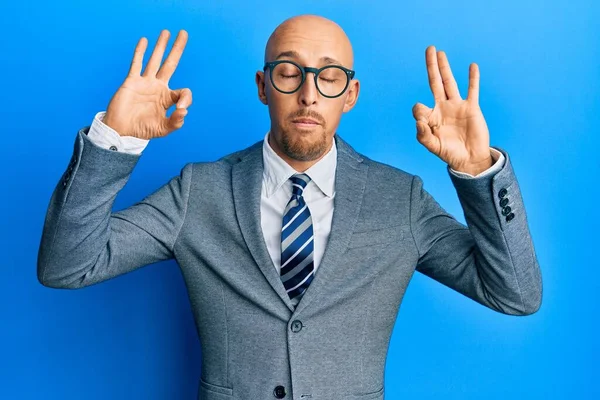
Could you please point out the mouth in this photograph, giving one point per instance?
(305, 123)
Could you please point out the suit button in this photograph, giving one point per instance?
(68, 176)
(279, 392)
(509, 217)
(502, 192)
(65, 183)
(296, 326)
(114, 148)
(503, 202)
(506, 210)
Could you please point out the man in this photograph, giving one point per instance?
(297, 250)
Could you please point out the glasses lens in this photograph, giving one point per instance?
(286, 77)
(332, 81)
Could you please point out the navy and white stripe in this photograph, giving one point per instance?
(297, 242)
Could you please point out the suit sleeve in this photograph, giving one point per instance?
(492, 259)
(106, 137)
(83, 242)
(498, 159)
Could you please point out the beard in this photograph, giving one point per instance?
(303, 147)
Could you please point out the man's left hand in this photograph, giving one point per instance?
(455, 129)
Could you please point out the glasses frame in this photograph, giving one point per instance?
(271, 65)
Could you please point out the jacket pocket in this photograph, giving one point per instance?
(374, 237)
(214, 389)
(378, 394)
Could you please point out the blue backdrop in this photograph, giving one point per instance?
(134, 336)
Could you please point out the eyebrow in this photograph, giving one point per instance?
(295, 54)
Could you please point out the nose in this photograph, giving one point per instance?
(308, 92)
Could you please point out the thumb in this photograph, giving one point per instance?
(426, 137)
(182, 97)
(421, 111)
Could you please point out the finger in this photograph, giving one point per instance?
(473, 93)
(182, 97)
(421, 112)
(176, 119)
(450, 86)
(168, 67)
(138, 55)
(427, 138)
(157, 53)
(433, 72)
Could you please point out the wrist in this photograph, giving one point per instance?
(475, 168)
(108, 122)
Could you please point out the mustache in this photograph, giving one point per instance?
(308, 114)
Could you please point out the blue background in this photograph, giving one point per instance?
(134, 336)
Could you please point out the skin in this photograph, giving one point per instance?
(139, 106)
(316, 42)
(454, 129)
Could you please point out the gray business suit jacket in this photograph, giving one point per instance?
(254, 344)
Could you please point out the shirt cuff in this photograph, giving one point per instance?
(106, 137)
(498, 159)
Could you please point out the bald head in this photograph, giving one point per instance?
(310, 37)
(304, 120)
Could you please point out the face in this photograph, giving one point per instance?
(303, 123)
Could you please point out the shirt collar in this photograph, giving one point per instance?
(277, 171)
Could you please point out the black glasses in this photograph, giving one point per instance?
(288, 76)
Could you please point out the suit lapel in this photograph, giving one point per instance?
(247, 180)
(350, 178)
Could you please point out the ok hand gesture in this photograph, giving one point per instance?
(454, 129)
(139, 106)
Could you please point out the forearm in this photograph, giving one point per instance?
(491, 259)
(76, 224)
(503, 250)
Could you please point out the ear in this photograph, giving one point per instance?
(351, 95)
(260, 84)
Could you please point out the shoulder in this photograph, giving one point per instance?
(225, 162)
(378, 171)
(386, 171)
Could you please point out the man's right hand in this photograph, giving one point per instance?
(139, 106)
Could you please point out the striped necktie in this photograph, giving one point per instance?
(297, 268)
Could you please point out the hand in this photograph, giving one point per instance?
(139, 106)
(455, 129)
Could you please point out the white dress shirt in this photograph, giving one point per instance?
(277, 188)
